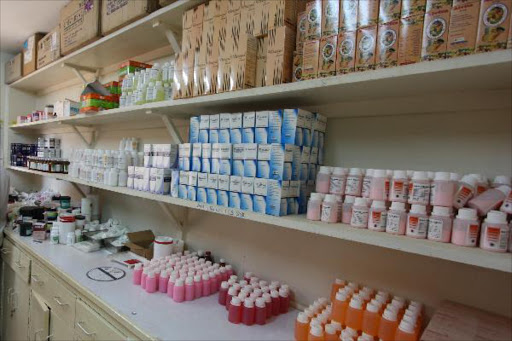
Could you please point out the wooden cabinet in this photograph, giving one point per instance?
(60, 329)
(89, 325)
(39, 318)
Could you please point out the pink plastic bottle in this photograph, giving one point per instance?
(323, 180)
(367, 183)
(178, 293)
(268, 304)
(346, 211)
(495, 232)
(261, 311)
(170, 285)
(501, 180)
(274, 294)
(465, 191)
(189, 289)
(419, 189)
(198, 286)
(377, 217)
(215, 282)
(360, 213)
(465, 228)
(396, 219)
(354, 182)
(137, 274)
(489, 200)
(338, 181)
(235, 310)
(482, 184)
(248, 312)
(440, 225)
(163, 281)
(223, 293)
(145, 272)
(151, 282)
(417, 222)
(206, 285)
(223, 274)
(399, 187)
(379, 189)
(314, 211)
(229, 270)
(284, 300)
(330, 209)
(443, 189)
(232, 292)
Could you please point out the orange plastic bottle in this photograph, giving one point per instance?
(336, 286)
(337, 326)
(302, 327)
(382, 297)
(330, 333)
(354, 318)
(339, 307)
(399, 303)
(371, 319)
(388, 324)
(316, 333)
(413, 320)
(405, 332)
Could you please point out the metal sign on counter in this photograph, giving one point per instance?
(106, 274)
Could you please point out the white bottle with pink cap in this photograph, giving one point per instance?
(377, 217)
(440, 225)
(396, 219)
(330, 209)
(495, 232)
(379, 188)
(399, 187)
(489, 200)
(465, 228)
(417, 222)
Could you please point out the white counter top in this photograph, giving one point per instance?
(156, 314)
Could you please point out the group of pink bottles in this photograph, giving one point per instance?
(359, 313)
(417, 204)
(182, 277)
(253, 301)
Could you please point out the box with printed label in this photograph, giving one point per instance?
(222, 198)
(327, 58)
(196, 157)
(250, 157)
(211, 196)
(260, 186)
(183, 192)
(224, 54)
(79, 25)
(263, 165)
(235, 183)
(247, 185)
(243, 62)
(346, 52)
(348, 15)
(66, 108)
(224, 136)
(213, 181)
(152, 180)
(275, 122)
(215, 158)
(202, 195)
(297, 66)
(235, 133)
(281, 13)
(30, 53)
(192, 178)
(493, 25)
(248, 16)
(224, 121)
(234, 200)
(368, 13)
(48, 48)
(246, 202)
(310, 59)
(193, 132)
(202, 180)
(223, 182)
(284, 162)
(302, 26)
(409, 39)
(314, 19)
(116, 14)
(293, 122)
(169, 156)
(238, 159)
(387, 44)
(212, 44)
(144, 185)
(259, 203)
(281, 44)
(14, 69)
(274, 196)
(366, 48)
(225, 157)
(413, 7)
(184, 178)
(214, 121)
(389, 10)
(191, 193)
(261, 130)
(175, 180)
(261, 17)
(435, 30)
(201, 58)
(463, 28)
(330, 17)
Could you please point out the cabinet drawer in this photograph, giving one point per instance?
(89, 325)
(62, 301)
(7, 253)
(18, 260)
(41, 282)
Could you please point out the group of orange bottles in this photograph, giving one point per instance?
(359, 314)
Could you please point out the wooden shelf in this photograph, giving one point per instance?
(471, 256)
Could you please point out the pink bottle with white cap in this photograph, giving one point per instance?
(360, 213)
(151, 282)
(399, 187)
(419, 189)
(338, 181)
(330, 209)
(276, 305)
(163, 280)
(489, 200)
(417, 222)
(223, 274)
(501, 180)
(397, 219)
(507, 204)
(178, 293)
(137, 274)
(232, 292)
(170, 285)
(229, 270)
(235, 310)
(268, 304)
(442, 191)
(354, 182)
(465, 228)
(248, 312)
(189, 289)
(145, 272)
(367, 183)
(465, 191)
(495, 232)
(323, 180)
(377, 217)
(284, 300)
(223, 293)
(198, 286)
(261, 311)
(440, 225)
(346, 211)
(314, 211)
(206, 285)
(379, 189)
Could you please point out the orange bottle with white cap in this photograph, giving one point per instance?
(330, 333)
(336, 286)
(388, 324)
(354, 318)
(371, 319)
(302, 327)
(339, 307)
(316, 333)
(405, 332)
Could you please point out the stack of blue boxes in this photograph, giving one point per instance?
(262, 161)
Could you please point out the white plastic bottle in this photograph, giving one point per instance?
(123, 178)
(338, 181)
(417, 222)
(465, 228)
(495, 232)
(379, 188)
(346, 211)
(360, 213)
(466, 190)
(155, 73)
(113, 177)
(314, 210)
(501, 180)
(330, 209)
(159, 92)
(354, 182)
(419, 189)
(396, 219)
(323, 179)
(440, 225)
(489, 200)
(399, 187)
(367, 182)
(442, 190)
(151, 92)
(378, 216)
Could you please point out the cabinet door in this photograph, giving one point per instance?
(15, 302)
(89, 325)
(60, 329)
(39, 318)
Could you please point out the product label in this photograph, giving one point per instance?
(353, 185)
(393, 222)
(365, 192)
(359, 217)
(462, 196)
(472, 235)
(326, 212)
(378, 221)
(337, 185)
(417, 226)
(419, 193)
(495, 238)
(399, 191)
(435, 229)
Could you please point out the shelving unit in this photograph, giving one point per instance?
(471, 256)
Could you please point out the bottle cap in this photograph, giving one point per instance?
(442, 176)
(355, 171)
(467, 214)
(267, 297)
(242, 295)
(378, 204)
(263, 283)
(235, 277)
(151, 274)
(138, 266)
(349, 199)
(397, 303)
(301, 317)
(501, 180)
(369, 173)
(336, 325)
(283, 292)
(390, 314)
(504, 189)
(189, 280)
(496, 217)
(416, 304)
(409, 173)
(258, 292)
(420, 175)
(232, 291)
(316, 330)
(397, 206)
(325, 170)
(248, 303)
(224, 285)
(229, 267)
(197, 278)
(380, 173)
(243, 283)
(349, 332)
(247, 289)
(399, 174)
(236, 301)
(372, 307)
(330, 198)
(406, 327)
(356, 302)
(339, 281)
(237, 286)
(418, 209)
(454, 176)
(274, 293)
(164, 273)
(330, 329)
(411, 312)
(441, 211)
(260, 303)
(179, 282)
(338, 171)
(361, 202)
(470, 180)
(206, 277)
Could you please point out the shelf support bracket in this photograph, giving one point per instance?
(172, 217)
(78, 71)
(171, 129)
(78, 189)
(170, 34)
(79, 133)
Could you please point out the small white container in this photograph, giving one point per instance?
(378, 216)
(162, 247)
(360, 213)
(417, 222)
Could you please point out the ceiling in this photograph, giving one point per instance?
(21, 18)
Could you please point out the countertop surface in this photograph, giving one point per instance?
(155, 314)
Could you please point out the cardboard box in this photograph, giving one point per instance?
(348, 15)
(118, 13)
(297, 66)
(314, 13)
(281, 43)
(366, 48)
(387, 44)
(177, 83)
(413, 7)
(327, 58)
(79, 25)
(197, 26)
(243, 63)
(435, 30)
(463, 27)
(212, 47)
(141, 243)
(282, 12)
(225, 45)
(330, 17)
(261, 61)
(310, 59)
(302, 25)
(346, 52)
(187, 78)
(48, 48)
(14, 69)
(409, 39)
(389, 10)
(368, 13)
(494, 25)
(186, 35)
(261, 13)
(248, 16)
(30, 53)
(200, 53)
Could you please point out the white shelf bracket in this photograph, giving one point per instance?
(170, 34)
(172, 217)
(171, 129)
(78, 189)
(79, 133)
(78, 71)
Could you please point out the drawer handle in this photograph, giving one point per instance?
(5, 251)
(79, 325)
(35, 280)
(18, 264)
(56, 299)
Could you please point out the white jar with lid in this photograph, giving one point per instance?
(495, 232)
